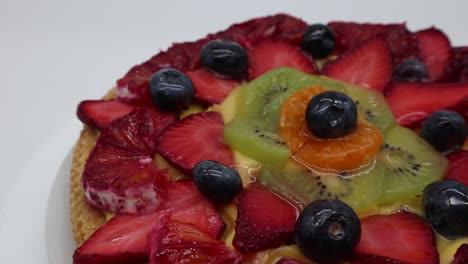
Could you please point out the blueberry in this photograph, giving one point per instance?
(446, 208)
(445, 130)
(225, 57)
(171, 90)
(410, 71)
(217, 181)
(318, 40)
(327, 231)
(331, 115)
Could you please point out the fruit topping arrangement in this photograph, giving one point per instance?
(285, 142)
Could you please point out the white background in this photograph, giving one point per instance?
(54, 54)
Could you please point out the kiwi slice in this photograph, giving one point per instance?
(258, 106)
(361, 189)
(410, 165)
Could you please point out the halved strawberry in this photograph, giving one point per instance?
(458, 169)
(195, 138)
(402, 43)
(402, 237)
(119, 175)
(264, 220)
(209, 88)
(369, 65)
(270, 55)
(184, 243)
(99, 113)
(289, 261)
(461, 256)
(413, 102)
(187, 205)
(458, 66)
(123, 239)
(435, 51)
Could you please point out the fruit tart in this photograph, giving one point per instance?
(277, 141)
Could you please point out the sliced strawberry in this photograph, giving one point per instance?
(402, 43)
(435, 51)
(134, 86)
(458, 169)
(270, 55)
(402, 236)
(210, 89)
(137, 132)
(369, 65)
(187, 205)
(289, 261)
(461, 256)
(184, 243)
(99, 113)
(123, 239)
(457, 70)
(119, 175)
(195, 138)
(264, 220)
(413, 102)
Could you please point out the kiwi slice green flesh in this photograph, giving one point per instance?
(256, 142)
(410, 165)
(361, 189)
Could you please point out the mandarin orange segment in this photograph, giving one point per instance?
(341, 154)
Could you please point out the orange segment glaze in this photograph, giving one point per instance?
(341, 154)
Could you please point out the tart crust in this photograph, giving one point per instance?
(85, 219)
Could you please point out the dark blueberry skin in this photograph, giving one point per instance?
(318, 40)
(217, 181)
(410, 71)
(445, 130)
(171, 90)
(331, 115)
(225, 57)
(327, 231)
(446, 208)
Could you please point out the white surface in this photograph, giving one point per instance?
(55, 53)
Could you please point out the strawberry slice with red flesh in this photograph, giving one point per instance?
(195, 138)
(264, 220)
(412, 103)
(401, 237)
(184, 243)
(435, 51)
(369, 65)
(123, 239)
(458, 169)
(119, 175)
(134, 86)
(461, 256)
(270, 55)
(187, 205)
(99, 113)
(402, 43)
(210, 89)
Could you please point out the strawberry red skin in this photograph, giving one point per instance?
(195, 138)
(134, 86)
(122, 240)
(402, 236)
(369, 65)
(264, 220)
(461, 256)
(435, 50)
(270, 55)
(458, 66)
(402, 43)
(413, 102)
(209, 88)
(184, 243)
(458, 169)
(100, 113)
